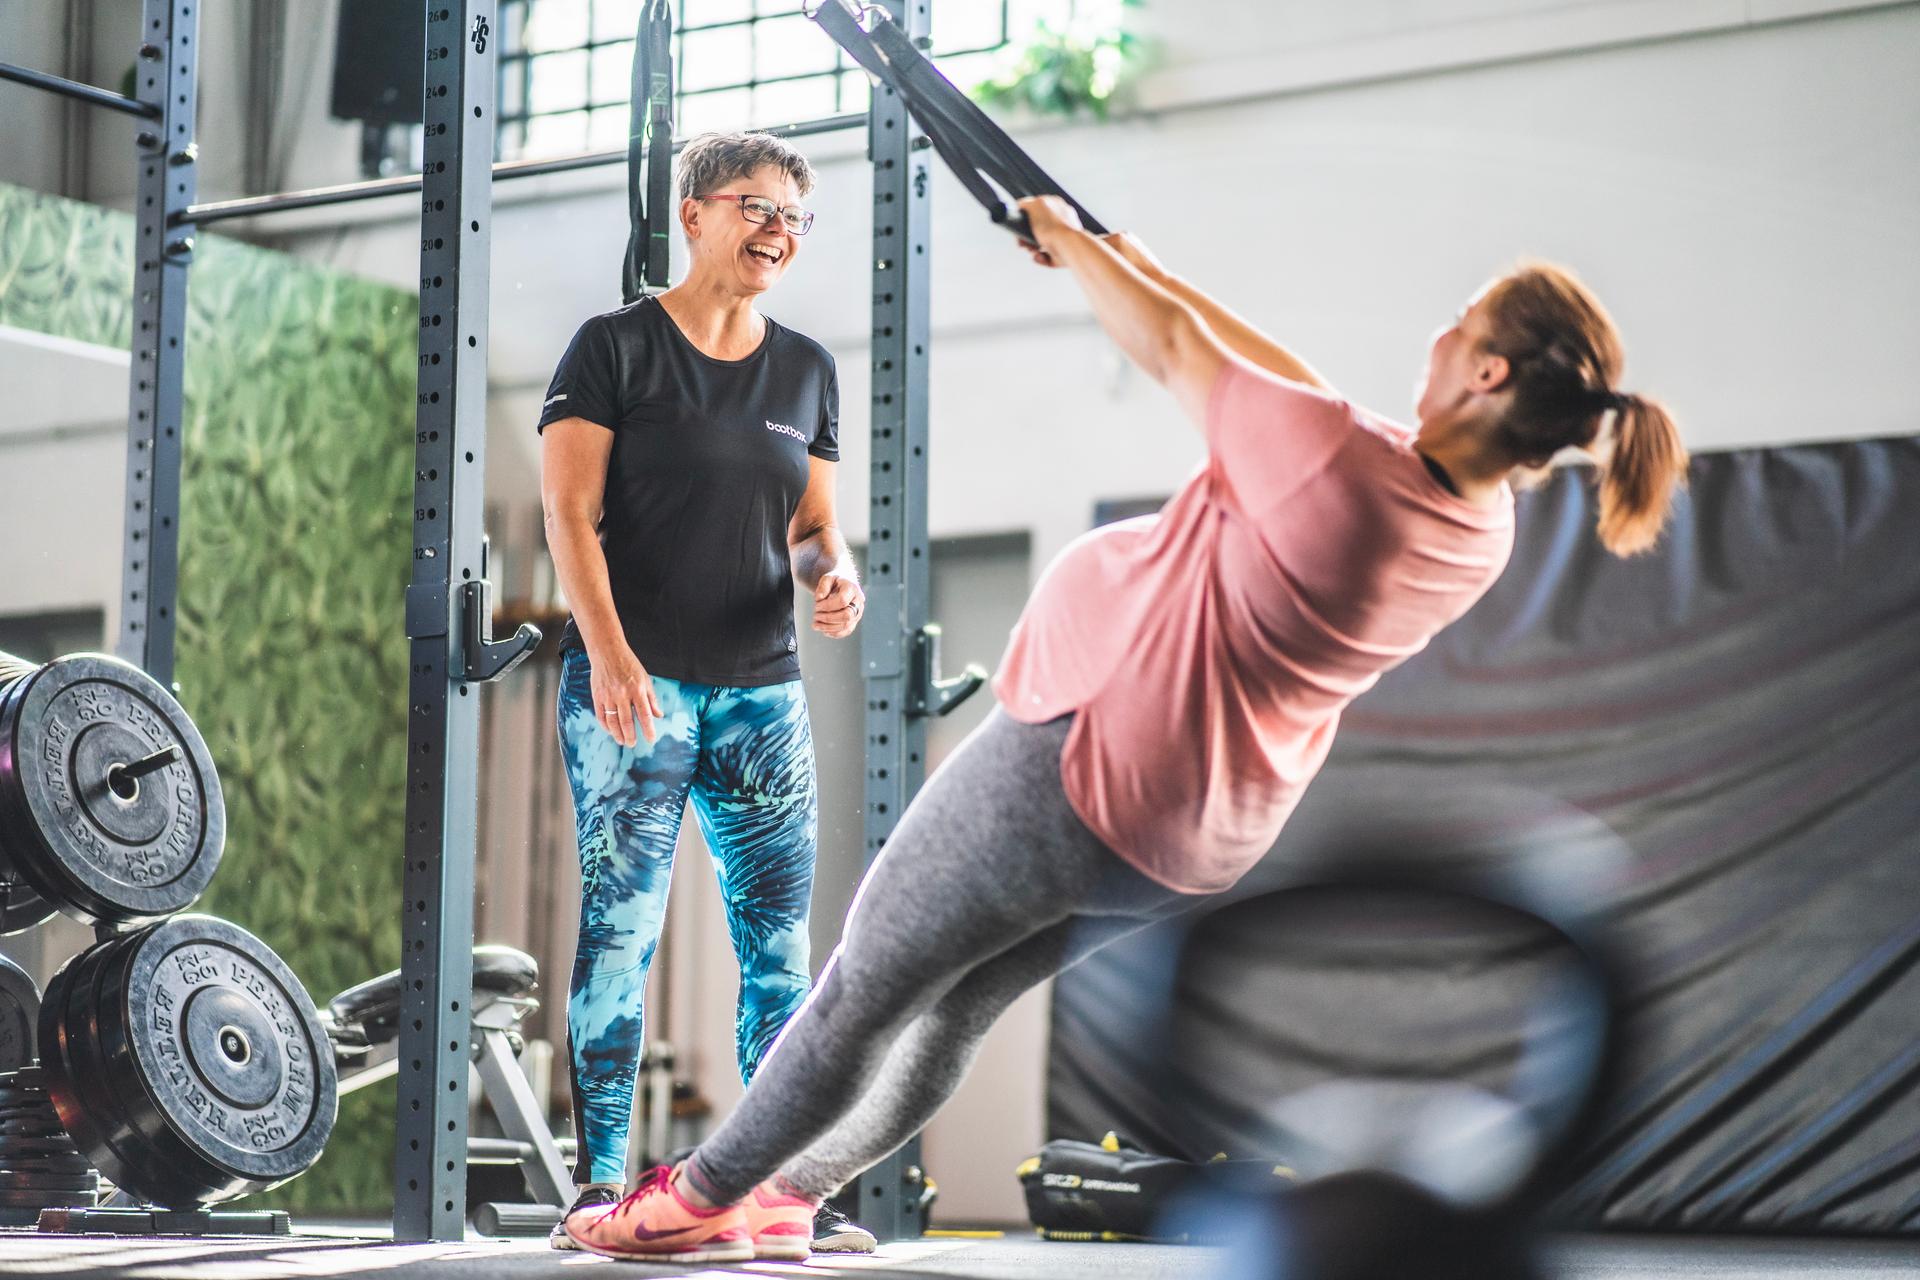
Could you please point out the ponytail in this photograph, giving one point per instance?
(1639, 477)
(1565, 358)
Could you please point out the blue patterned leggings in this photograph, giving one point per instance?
(745, 759)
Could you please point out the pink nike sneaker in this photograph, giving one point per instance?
(780, 1224)
(655, 1223)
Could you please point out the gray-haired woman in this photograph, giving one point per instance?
(687, 462)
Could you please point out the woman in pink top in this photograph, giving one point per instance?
(1171, 689)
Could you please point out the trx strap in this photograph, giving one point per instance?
(978, 151)
(650, 155)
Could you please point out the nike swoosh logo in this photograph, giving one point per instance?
(643, 1234)
(555, 400)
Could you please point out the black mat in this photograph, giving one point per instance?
(1742, 707)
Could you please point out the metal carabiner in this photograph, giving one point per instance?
(859, 12)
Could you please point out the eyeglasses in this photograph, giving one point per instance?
(759, 209)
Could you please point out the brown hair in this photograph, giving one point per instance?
(1564, 356)
(715, 159)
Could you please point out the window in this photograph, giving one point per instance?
(566, 66)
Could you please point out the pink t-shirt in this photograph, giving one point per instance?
(1208, 650)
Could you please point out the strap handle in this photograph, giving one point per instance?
(650, 155)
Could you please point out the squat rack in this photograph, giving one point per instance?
(447, 606)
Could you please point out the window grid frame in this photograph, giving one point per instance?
(518, 62)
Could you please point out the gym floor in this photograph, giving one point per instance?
(339, 1252)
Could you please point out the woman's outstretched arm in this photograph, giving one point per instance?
(1160, 333)
(1242, 338)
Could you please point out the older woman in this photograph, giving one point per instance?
(1171, 689)
(687, 471)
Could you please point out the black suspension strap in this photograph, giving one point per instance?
(940, 131)
(977, 150)
(989, 140)
(650, 155)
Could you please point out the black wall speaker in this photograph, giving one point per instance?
(377, 61)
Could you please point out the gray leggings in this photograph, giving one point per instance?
(989, 886)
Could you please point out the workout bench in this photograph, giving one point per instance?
(363, 1024)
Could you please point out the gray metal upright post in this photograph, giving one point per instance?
(436, 965)
(164, 77)
(889, 1196)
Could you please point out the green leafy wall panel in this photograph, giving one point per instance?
(295, 546)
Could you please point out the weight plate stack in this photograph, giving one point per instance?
(110, 808)
(188, 1062)
(19, 1016)
(40, 1166)
(20, 907)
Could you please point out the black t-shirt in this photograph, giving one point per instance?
(709, 462)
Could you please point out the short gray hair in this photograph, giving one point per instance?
(715, 159)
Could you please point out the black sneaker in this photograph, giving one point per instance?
(590, 1195)
(834, 1232)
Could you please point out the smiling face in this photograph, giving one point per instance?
(728, 247)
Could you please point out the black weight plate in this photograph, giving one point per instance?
(20, 907)
(23, 1100)
(23, 1103)
(19, 1016)
(227, 1049)
(13, 668)
(35, 1109)
(139, 1155)
(26, 1174)
(66, 1179)
(125, 1154)
(72, 1065)
(140, 852)
(60, 1151)
(29, 1130)
(68, 1161)
(46, 1199)
(32, 1180)
(126, 1157)
(42, 1152)
(42, 1121)
(37, 1149)
(57, 1034)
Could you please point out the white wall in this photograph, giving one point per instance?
(63, 467)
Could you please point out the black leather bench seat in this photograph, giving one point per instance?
(373, 1006)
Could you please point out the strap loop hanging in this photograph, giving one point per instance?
(650, 155)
